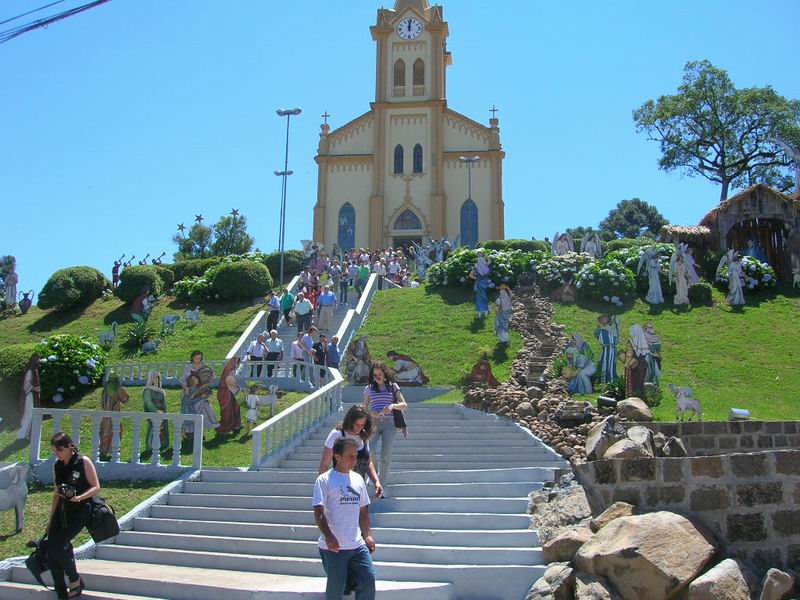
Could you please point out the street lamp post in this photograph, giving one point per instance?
(469, 160)
(285, 174)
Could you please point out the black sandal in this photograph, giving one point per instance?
(76, 591)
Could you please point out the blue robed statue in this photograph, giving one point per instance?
(607, 333)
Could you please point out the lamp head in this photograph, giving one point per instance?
(283, 112)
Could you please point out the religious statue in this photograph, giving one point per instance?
(11, 281)
(480, 273)
(114, 396)
(634, 359)
(755, 250)
(29, 395)
(115, 272)
(562, 244)
(422, 259)
(311, 249)
(142, 305)
(581, 345)
(154, 400)
(503, 315)
(735, 277)
(653, 359)
(566, 292)
(591, 245)
(357, 361)
(579, 371)
(683, 250)
(406, 370)
(679, 271)
(482, 373)
(651, 262)
(607, 333)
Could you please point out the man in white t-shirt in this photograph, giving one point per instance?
(341, 509)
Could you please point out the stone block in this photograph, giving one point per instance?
(746, 527)
(746, 441)
(668, 429)
(780, 440)
(786, 522)
(671, 469)
(726, 442)
(751, 494)
(629, 495)
(796, 493)
(749, 465)
(753, 426)
(651, 495)
(790, 427)
(638, 469)
(773, 427)
(709, 498)
(604, 472)
(703, 441)
(794, 440)
(672, 494)
(735, 427)
(765, 441)
(692, 428)
(708, 466)
(787, 462)
(793, 556)
(715, 427)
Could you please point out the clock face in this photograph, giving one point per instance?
(409, 29)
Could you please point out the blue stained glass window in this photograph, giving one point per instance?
(418, 158)
(407, 220)
(347, 227)
(469, 224)
(398, 160)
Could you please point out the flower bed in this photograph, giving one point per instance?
(550, 269)
(630, 257)
(757, 275)
(506, 267)
(74, 366)
(606, 280)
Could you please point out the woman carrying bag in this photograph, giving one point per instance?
(76, 483)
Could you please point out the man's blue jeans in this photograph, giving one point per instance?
(358, 563)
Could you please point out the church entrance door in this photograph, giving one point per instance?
(407, 241)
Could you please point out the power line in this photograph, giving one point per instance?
(10, 34)
(30, 12)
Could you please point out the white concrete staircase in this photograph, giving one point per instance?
(454, 528)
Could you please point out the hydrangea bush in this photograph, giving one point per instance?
(757, 275)
(606, 280)
(550, 269)
(506, 267)
(74, 366)
(630, 257)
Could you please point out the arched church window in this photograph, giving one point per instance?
(469, 224)
(398, 160)
(347, 227)
(407, 219)
(399, 73)
(418, 158)
(419, 72)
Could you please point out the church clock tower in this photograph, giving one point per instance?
(393, 175)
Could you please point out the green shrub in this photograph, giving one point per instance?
(13, 360)
(524, 245)
(74, 366)
(622, 243)
(137, 333)
(166, 275)
(193, 268)
(551, 269)
(292, 263)
(757, 275)
(506, 267)
(193, 290)
(240, 280)
(631, 256)
(616, 388)
(606, 280)
(72, 286)
(134, 280)
(710, 263)
(700, 294)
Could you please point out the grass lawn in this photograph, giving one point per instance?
(438, 328)
(218, 450)
(122, 495)
(744, 358)
(222, 324)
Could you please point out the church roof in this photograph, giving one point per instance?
(713, 214)
(420, 5)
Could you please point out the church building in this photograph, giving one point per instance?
(411, 168)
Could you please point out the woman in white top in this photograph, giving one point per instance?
(357, 426)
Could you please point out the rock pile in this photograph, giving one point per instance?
(608, 439)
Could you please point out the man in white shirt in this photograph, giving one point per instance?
(255, 353)
(341, 509)
(274, 350)
(302, 310)
(298, 356)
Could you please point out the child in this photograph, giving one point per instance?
(253, 401)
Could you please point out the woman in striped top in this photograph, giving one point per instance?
(381, 396)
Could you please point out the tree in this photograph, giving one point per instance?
(231, 237)
(631, 219)
(577, 233)
(5, 268)
(195, 245)
(710, 128)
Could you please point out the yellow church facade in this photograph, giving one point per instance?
(396, 174)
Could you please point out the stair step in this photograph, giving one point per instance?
(33, 591)
(500, 538)
(521, 474)
(475, 437)
(443, 555)
(454, 465)
(184, 583)
(401, 458)
(404, 520)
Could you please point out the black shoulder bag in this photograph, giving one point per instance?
(37, 561)
(397, 415)
(103, 523)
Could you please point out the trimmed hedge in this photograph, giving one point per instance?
(73, 286)
(524, 245)
(13, 360)
(700, 294)
(193, 268)
(293, 262)
(241, 280)
(133, 280)
(166, 274)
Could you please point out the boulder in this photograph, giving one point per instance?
(557, 583)
(674, 448)
(722, 582)
(777, 585)
(646, 557)
(602, 436)
(659, 440)
(634, 409)
(564, 546)
(525, 409)
(534, 392)
(592, 587)
(627, 449)
(643, 436)
(615, 511)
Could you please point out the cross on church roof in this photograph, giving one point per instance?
(325, 116)
(494, 111)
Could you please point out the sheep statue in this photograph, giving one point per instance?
(14, 491)
(168, 324)
(193, 315)
(686, 402)
(107, 338)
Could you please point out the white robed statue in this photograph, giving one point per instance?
(562, 244)
(651, 262)
(735, 277)
(591, 245)
(683, 249)
(680, 273)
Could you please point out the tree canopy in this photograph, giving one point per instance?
(712, 129)
(227, 236)
(632, 219)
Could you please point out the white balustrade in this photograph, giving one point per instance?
(292, 423)
(136, 419)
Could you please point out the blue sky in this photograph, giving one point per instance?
(123, 121)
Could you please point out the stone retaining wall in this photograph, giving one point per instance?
(750, 501)
(726, 437)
